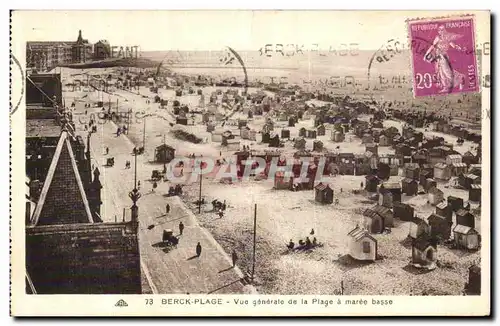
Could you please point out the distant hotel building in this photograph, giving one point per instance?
(102, 50)
(46, 55)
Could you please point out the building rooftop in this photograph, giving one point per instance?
(42, 128)
(471, 176)
(421, 243)
(54, 207)
(359, 233)
(441, 166)
(435, 191)
(462, 229)
(322, 186)
(463, 212)
(442, 205)
(391, 185)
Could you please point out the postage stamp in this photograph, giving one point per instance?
(443, 56)
(257, 177)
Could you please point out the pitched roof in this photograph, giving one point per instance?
(382, 211)
(57, 175)
(459, 165)
(417, 220)
(162, 146)
(462, 211)
(436, 218)
(471, 176)
(371, 177)
(441, 166)
(462, 229)
(421, 243)
(474, 186)
(322, 186)
(435, 191)
(454, 156)
(391, 185)
(442, 205)
(359, 233)
(371, 213)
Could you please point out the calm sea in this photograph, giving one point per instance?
(299, 67)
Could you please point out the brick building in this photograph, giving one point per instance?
(46, 55)
(69, 249)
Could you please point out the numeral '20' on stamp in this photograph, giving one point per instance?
(443, 56)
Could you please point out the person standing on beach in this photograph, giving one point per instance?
(234, 256)
(168, 210)
(181, 228)
(198, 249)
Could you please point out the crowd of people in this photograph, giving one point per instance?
(304, 244)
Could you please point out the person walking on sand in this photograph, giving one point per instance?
(198, 249)
(234, 256)
(168, 210)
(181, 228)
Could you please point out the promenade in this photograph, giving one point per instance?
(166, 270)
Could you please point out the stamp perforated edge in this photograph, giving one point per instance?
(10, 164)
(449, 17)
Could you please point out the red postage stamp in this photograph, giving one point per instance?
(443, 56)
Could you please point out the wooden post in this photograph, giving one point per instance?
(144, 135)
(164, 158)
(199, 198)
(254, 240)
(128, 120)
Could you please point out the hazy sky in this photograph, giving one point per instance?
(212, 30)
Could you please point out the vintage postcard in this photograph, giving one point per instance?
(250, 163)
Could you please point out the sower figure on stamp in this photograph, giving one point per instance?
(448, 77)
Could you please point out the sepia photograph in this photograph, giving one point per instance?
(251, 153)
